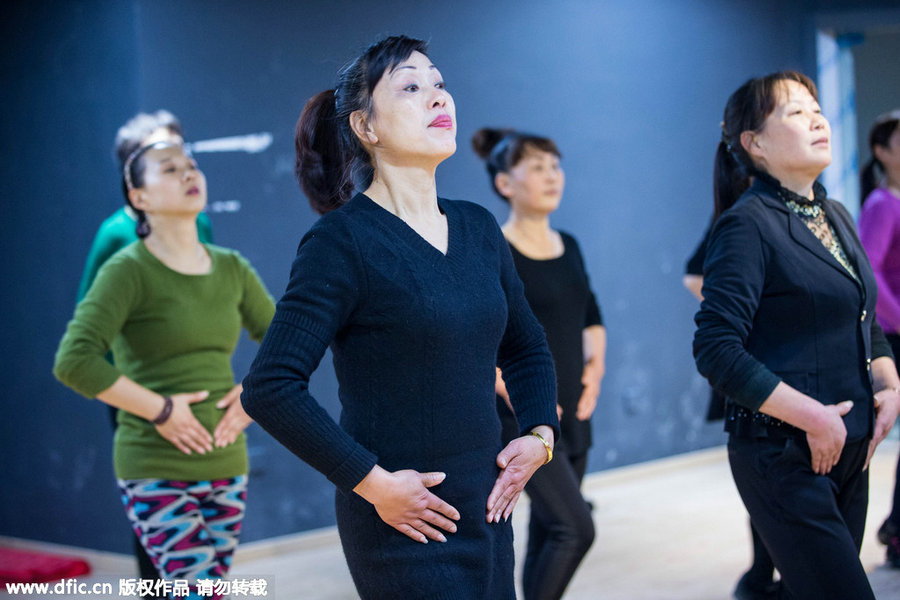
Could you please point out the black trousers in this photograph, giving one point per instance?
(561, 529)
(812, 524)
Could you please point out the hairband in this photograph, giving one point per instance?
(725, 138)
(126, 170)
(500, 148)
(893, 115)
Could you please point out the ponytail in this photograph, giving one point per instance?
(322, 166)
(868, 180)
(879, 135)
(730, 180)
(331, 162)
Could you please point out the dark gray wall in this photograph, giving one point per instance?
(67, 81)
(877, 81)
(632, 91)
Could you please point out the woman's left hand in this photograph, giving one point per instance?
(234, 421)
(518, 462)
(590, 380)
(887, 406)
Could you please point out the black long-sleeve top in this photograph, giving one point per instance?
(415, 336)
(559, 293)
(779, 307)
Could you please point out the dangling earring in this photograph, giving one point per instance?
(143, 227)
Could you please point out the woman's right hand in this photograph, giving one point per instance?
(826, 440)
(403, 501)
(183, 429)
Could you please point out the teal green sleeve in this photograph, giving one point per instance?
(204, 228)
(257, 306)
(99, 317)
(107, 242)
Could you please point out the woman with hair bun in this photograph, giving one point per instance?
(879, 231)
(419, 299)
(524, 171)
(787, 332)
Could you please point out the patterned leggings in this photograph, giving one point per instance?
(190, 529)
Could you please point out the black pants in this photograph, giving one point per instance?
(561, 529)
(812, 524)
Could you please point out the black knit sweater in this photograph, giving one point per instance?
(415, 336)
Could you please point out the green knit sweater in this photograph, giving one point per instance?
(172, 333)
(116, 232)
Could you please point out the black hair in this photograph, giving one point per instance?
(746, 110)
(502, 149)
(330, 160)
(880, 135)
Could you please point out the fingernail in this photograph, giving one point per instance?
(442, 538)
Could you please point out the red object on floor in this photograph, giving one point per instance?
(26, 566)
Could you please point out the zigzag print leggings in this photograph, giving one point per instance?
(190, 529)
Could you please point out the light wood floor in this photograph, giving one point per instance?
(672, 529)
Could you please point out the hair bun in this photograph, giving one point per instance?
(485, 139)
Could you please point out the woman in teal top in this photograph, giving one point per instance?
(171, 309)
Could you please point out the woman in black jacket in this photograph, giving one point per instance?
(787, 332)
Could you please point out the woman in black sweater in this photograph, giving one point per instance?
(787, 332)
(418, 298)
(525, 172)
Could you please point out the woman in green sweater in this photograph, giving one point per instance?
(171, 309)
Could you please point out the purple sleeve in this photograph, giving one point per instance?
(877, 221)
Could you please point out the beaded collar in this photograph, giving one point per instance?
(812, 213)
(794, 201)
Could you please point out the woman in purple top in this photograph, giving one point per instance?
(879, 231)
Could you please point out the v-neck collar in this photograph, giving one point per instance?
(403, 230)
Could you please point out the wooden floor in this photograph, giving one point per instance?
(670, 529)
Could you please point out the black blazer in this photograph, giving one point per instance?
(778, 307)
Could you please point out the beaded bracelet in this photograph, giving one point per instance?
(165, 413)
(546, 446)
